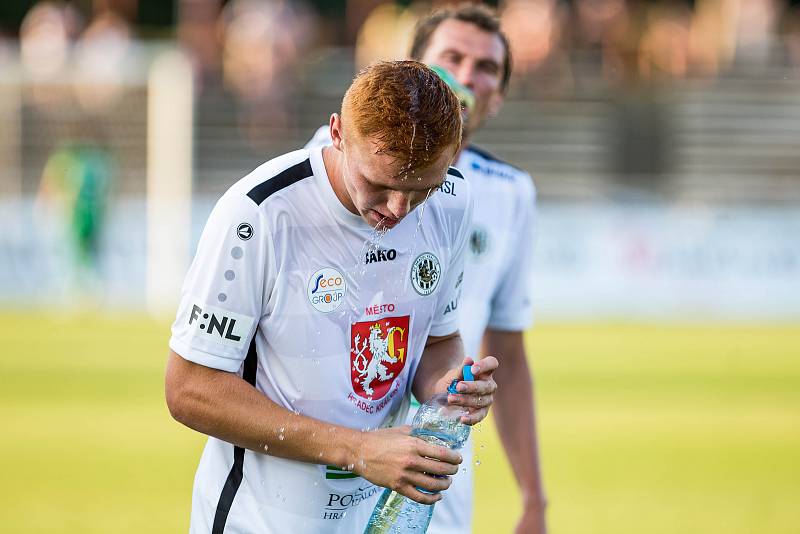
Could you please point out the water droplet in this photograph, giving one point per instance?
(266, 448)
(281, 437)
(477, 462)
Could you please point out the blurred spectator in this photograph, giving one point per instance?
(102, 61)
(533, 30)
(790, 30)
(46, 37)
(386, 34)
(664, 47)
(198, 34)
(756, 25)
(262, 41)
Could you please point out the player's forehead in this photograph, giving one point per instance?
(467, 39)
(384, 170)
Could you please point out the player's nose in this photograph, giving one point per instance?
(399, 204)
(465, 75)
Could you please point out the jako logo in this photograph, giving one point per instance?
(380, 255)
(216, 324)
(326, 289)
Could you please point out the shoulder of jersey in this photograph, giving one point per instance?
(274, 176)
(484, 163)
(455, 191)
(321, 137)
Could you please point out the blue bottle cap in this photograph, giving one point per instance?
(468, 377)
(468, 374)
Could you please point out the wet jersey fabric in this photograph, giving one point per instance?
(497, 288)
(323, 315)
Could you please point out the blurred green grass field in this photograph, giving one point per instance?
(644, 429)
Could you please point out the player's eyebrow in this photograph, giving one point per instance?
(402, 181)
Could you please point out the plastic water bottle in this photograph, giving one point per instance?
(436, 422)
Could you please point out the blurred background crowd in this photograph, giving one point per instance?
(686, 109)
(670, 97)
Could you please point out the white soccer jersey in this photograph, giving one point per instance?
(497, 288)
(285, 290)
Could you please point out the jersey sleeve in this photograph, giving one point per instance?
(222, 296)
(512, 302)
(445, 320)
(322, 137)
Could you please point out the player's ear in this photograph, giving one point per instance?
(335, 125)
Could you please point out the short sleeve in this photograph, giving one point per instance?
(222, 296)
(445, 320)
(512, 302)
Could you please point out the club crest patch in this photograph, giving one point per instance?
(479, 242)
(425, 273)
(378, 353)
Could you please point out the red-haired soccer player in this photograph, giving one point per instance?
(295, 344)
(496, 305)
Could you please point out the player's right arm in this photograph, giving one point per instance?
(222, 302)
(223, 405)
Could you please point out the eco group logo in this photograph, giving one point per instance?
(326, 289)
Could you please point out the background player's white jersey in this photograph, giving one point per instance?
(497, 289)
(285, 291)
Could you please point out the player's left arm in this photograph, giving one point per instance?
(515, 417)
(515, 413)
(442, 361)
(443, 358)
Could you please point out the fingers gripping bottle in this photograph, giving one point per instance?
(440, 424)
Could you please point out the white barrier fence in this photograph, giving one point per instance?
(593, 261)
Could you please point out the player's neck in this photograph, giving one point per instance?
(334, 168)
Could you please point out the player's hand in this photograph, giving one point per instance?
(477, 396)
(532, 522)
(393, 459)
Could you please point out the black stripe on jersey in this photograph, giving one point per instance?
(234, 479)
(285, 178)
(488, 156)
(452, 171)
